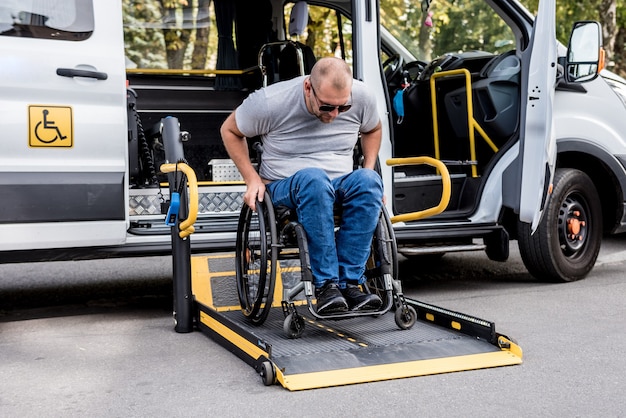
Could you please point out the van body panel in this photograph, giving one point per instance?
(63, 165)
(84, 89)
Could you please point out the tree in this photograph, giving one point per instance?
(201, 44)
(176, 32)
(610, 14)
(620, 39)
(461, 25)
(144, 46)
(170, 34)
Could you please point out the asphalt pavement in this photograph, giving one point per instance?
(96, 339)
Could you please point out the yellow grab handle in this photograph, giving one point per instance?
(186, 227)
(445, 193)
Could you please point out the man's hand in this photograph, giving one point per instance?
(254, 190)
(237, 148)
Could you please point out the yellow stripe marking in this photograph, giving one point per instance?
(397, 370)
(337, 333)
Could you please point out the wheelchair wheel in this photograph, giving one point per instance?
(293, 326)
(405, 317)
(383, 258)
(255, 258)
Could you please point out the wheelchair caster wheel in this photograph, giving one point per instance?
(293, 326)
(266, 371)
(405, 317)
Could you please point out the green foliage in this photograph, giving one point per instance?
(614, 27)
(404, 20)
(567, 13)
(143, 44)
(469, 26)
(165, 34)
(460, 25)
(463, 25)
(322, 33)
(168, 34)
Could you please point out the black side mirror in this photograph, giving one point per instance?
(585, 56)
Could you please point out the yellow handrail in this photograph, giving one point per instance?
(445, 193)
(186, 227)
(166, 71)
(471, 122)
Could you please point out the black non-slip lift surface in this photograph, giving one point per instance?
(332, 353)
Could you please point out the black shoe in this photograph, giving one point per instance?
(330, 300)
(359, 301)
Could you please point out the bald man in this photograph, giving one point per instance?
(309, 127)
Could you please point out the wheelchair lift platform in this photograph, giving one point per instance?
(340, 352)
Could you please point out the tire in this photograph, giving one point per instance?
(267, 373)
(255, 261)
(565, 246)
(293, 325)
(405, 317)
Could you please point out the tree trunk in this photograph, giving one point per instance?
(200, 48)
(609, 26)
(176, 38)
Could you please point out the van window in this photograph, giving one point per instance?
(446, 27)
(328, 32)
(174, 37)
(47, 19)
(222, 40)
(220, 34)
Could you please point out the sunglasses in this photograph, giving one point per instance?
(326, 108)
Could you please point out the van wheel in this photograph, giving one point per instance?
(565, 246)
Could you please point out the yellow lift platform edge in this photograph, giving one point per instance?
(334, 353)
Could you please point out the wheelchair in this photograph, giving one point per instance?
(270, 242)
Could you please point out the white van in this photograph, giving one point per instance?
(84, 85)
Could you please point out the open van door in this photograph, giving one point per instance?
(63, 120)
(538, 142)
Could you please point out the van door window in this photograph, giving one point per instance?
(219, 39)
(328, 33)
(47, 19)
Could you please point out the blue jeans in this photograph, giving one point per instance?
(358, 196)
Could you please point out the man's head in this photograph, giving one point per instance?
(328, 90)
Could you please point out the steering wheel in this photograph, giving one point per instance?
(414, 69)
(392, 67)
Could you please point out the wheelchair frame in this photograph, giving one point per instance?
(270, 235)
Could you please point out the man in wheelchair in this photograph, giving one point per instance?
(309, 126)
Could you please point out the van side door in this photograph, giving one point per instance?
(63, 120)
(538, 141)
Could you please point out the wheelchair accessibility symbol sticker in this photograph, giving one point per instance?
(50, 126)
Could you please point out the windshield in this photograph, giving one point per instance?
(446, 26)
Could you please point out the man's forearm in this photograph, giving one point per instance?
(370, 145)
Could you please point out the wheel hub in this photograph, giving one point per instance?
(573, 226)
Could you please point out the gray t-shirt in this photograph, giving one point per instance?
(294, 139)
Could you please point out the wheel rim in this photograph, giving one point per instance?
(573, 224)
(252, 271)
(376, 283)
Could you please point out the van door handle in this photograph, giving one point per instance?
(73, 72)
